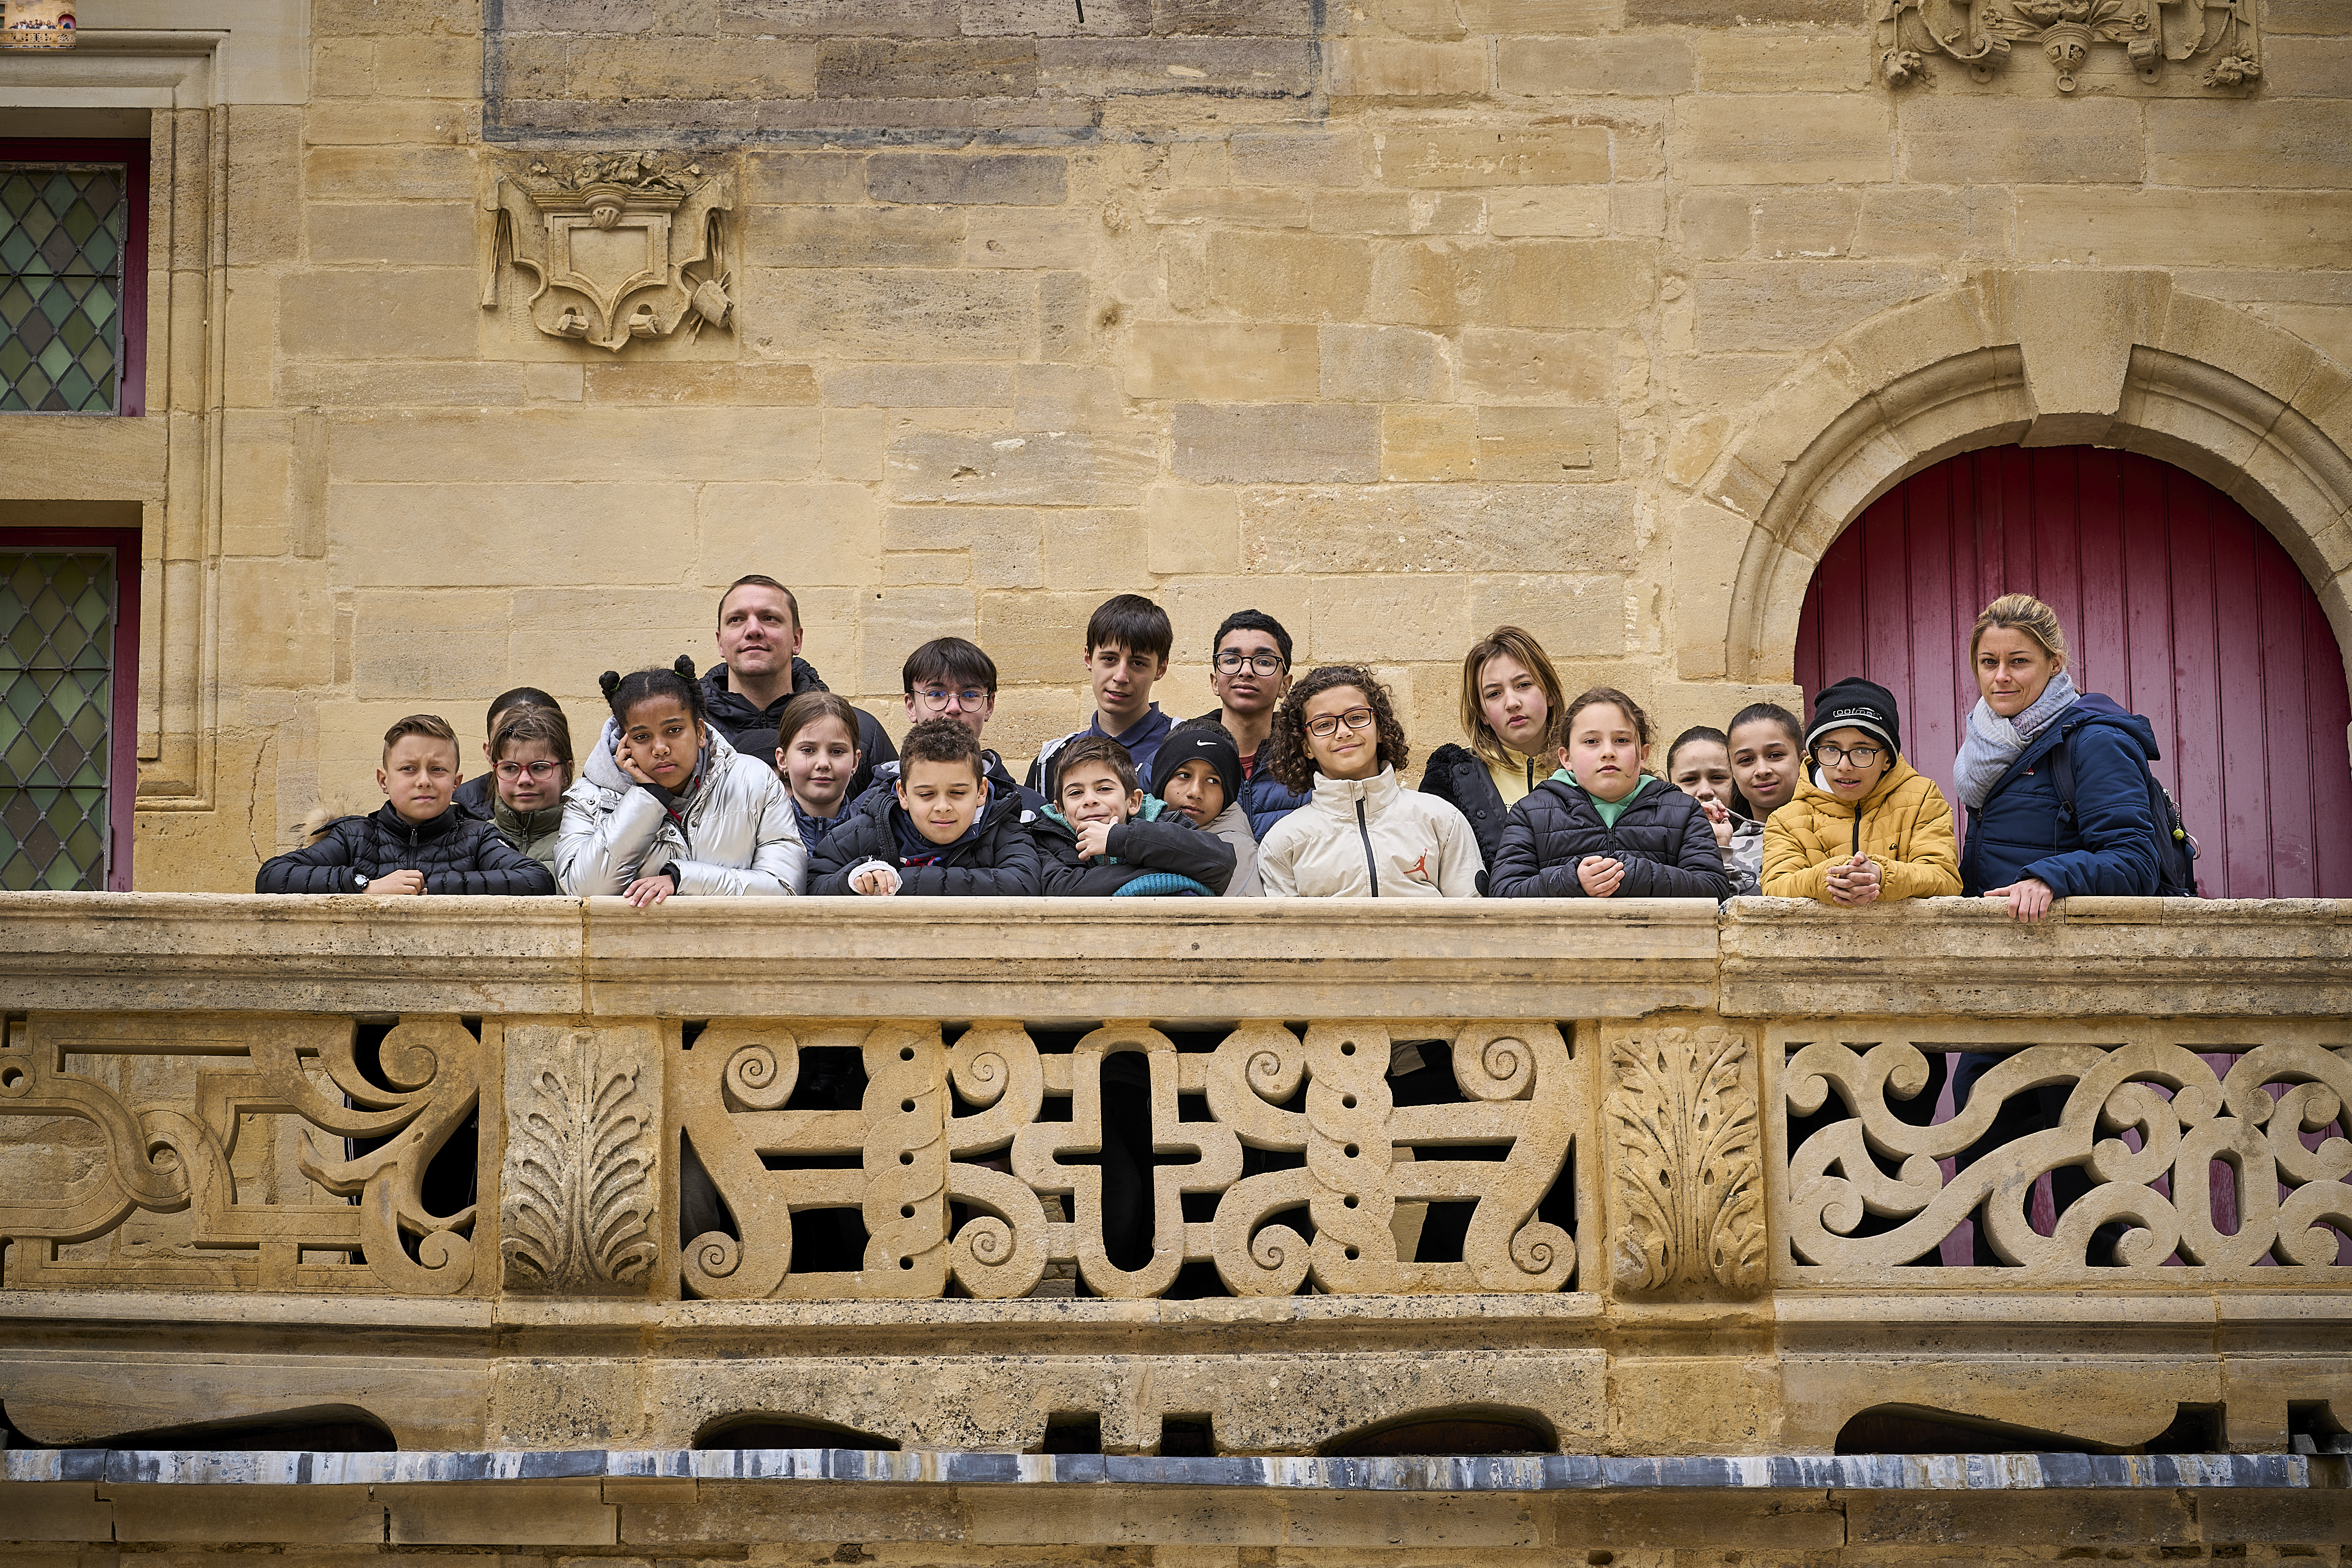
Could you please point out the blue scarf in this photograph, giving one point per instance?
(1993, 744)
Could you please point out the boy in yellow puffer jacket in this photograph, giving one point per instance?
(1865, 827)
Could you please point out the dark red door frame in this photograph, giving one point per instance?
(122, 721)
(131, 374)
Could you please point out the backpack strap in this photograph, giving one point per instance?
(2061, 758)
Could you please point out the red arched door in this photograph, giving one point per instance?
(2177, 603)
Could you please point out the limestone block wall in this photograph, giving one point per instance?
(1396, 319)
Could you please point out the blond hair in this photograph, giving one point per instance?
(2023, 613)
(1507, 641)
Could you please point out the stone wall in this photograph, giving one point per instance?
(1396, 319)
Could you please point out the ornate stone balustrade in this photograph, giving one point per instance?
(1636, 1178)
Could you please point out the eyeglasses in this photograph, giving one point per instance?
(1326, 727)
(1263, 662)
(970, 698)
(1850, 756)
(513, 771)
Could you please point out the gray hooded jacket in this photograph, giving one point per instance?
(739, 836)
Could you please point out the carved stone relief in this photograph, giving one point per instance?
(621, 246)
(186, 1153)
(1343, 1161)
(2236, 1170)
(1981, 34)
(1687, 1198)
(578, 1193)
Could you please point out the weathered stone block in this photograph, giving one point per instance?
(1042, 468)
(841, 19)
(1252, 18)
(550, 1514)
(1713, 13)
(1966, 222)
(1004, 545)
(1777, 140)
(371, 531)
(895, 68)
(1806, 223)
(805, 177)
(894, 622)
(1280, 443)
(1505, 365)
(1462, 158)
(1383, 365)
(835, 530)
(388, 174)
(420, 313)
(1052, 19)
(1577, 211)
(403, 234)
(2139, 1518)
(55, 1511)
(1993, 141)
(857, 236)
(1417, 529)
(901, 313)
(1523, 283)
(294, 1515)
(1539, 446)
(947, 385)
(1648, 66)
(384, 121)
(1380, 68)
(1396, 212)
(1797, 304)
(426, 645)
(1243, 67)
(1429, 443)
(723, 385)
(1189, 529)
(1541, 16)
(1759, 59)
(265, 201)
(1036, 636)
(2306, 145)
(1289, 277)
(1071, 397)
(572, 444)
(1001, 179)
(1574, 617)
(719, 1512)
(1292, 158)
(2180, 228)
(1401, 617)
(1025, 237)
(1092, 549)
(1224, 361)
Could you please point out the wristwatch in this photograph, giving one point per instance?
(360, 879)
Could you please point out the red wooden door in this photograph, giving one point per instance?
(2175, 604)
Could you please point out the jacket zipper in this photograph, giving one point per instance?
(1365, 828)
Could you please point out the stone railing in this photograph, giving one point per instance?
(1632, 1177)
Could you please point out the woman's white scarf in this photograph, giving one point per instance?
(1993, 743)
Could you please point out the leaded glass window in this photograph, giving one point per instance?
(64, 230)
(57, 695)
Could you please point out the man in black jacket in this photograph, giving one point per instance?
(760, 669)
(414, 843)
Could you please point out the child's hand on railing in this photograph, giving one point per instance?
(396, 884)
(1599, 877)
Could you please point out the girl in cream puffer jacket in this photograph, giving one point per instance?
(722, 827)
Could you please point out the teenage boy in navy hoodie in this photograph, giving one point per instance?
(1128, 639)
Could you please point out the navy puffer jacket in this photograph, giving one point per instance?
(458, 854)
(2106, 846)
(1661, 838)
(996, 859)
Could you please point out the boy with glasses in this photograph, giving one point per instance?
(1865, 827)
(951, 677)
(1249, 669)
(1128, 640)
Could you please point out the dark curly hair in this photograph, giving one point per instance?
(1288, 761)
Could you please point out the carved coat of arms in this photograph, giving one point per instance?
(621, 244)
(1978, 33)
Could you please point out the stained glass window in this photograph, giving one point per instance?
(63, 228)
(56, 694)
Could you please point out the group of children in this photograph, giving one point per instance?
(753, 779)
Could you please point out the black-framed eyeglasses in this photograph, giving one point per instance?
(1850, 756)
(970, 698)
(1265, 661)
(1326, 727)
(538, 771)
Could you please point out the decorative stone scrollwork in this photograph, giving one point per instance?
(1686, 1206)
(1344, 1162)
(151, 1126)
(579, 1199)
(623, 246)
(2154, 1128)
(1979, 34)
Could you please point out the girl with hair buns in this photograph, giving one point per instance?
(667, 805)
(1511, 699)
(1362, 834)
(2026, 846)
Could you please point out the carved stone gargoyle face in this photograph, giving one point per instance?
(621, 246)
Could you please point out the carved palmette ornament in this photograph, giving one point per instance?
(1981, 34)
(621, 246)
(577, 1210)
(1687, 1204)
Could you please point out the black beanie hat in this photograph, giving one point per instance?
(1859, 704)
(1199, 743)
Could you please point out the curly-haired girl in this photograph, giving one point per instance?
(1362, 835)
(667, 806)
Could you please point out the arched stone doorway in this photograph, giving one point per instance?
(2176, 603)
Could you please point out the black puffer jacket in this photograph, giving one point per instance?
(1162, 840)
(997, 858)
(736, 717)
(1661, 838)
(477, 796)
(1458, 776)
(458, 854)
